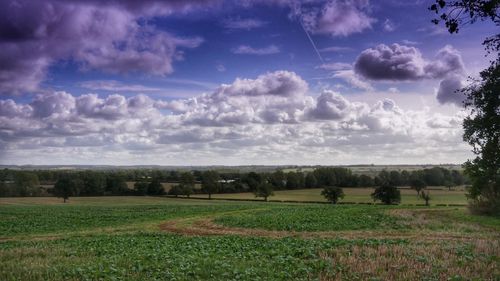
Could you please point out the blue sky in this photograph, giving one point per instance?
(232, 82)
(199, 65)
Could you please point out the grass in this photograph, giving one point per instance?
(62, 218)
(157, 256)
(356, 195)
(314, 218)
(119, 238)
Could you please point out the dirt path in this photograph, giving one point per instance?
(205, 226)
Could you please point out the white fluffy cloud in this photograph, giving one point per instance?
(270, 119)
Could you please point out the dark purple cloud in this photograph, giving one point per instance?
(102, 35)
(404, 63)
(448, 91)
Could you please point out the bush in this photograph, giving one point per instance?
(333, 194)
(388, 194)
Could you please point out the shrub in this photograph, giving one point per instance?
(388, 194)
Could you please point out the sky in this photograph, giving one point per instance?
(218, 82)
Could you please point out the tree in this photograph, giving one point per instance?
(482, 132)
(333, 193)
(325, 176)
(365, 181)
(155, 187)
(253, 180)
(482, 125)
(449, 184)
(434, 176)
(26, 183)
(310, 181)
(141, 187)
(294, 180)
(210, 183)
(64, 188)
(418, 185)
(463, 12)
(388, 194)
(277, 179)
(426, 196)
(265, 190)
(395, 178)
(94, 183)
(116, 185)
(457, 177)
(187, 183)
(187, 190)
(175, 190)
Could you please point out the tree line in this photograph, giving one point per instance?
(149, 182)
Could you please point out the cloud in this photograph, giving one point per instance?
(109, 36)
(275, 97)
(220, 67)
(448, 92)
(409, 42)
(271, 118)
(338, 18)
(403, 63)
(330, 106)
(335, 66)
(116, 86)
(245, 24)
(336, 49)
(448, 61)
(247, 50)
(389, 26)
(58, 103)
(11, 109)
(353, 79)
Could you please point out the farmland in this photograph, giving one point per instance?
(439, 195)
(154, 238)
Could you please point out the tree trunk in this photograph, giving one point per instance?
(64, 200)
(210, 196)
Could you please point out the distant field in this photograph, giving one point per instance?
(373, 170)
(357, 195)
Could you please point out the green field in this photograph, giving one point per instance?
(155, 238)
(439, 195)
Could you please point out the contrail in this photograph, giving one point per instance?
(312, 42)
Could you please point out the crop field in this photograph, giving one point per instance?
(157, 238)
(439, 195)
(373, 170)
